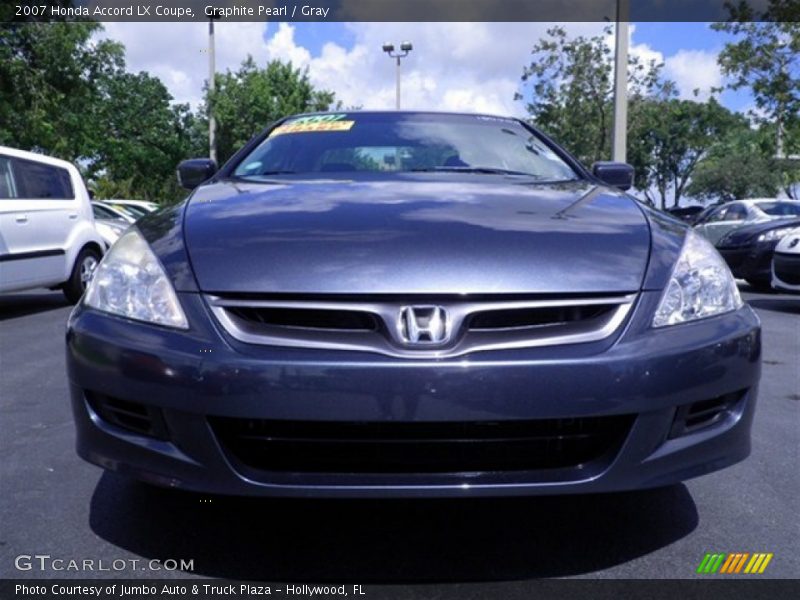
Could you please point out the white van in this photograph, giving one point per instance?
(47, 233)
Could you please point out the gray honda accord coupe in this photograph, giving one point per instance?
(411, 304)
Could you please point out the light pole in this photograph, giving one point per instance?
(405, 48)
(619, 139)
(212, 69)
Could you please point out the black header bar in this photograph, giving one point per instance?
(401, 10)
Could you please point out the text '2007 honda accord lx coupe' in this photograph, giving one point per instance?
(411, 304)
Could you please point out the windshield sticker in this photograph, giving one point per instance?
(314, 123)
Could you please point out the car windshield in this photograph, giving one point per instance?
(780, 209)
(403, 142)
(131, 209)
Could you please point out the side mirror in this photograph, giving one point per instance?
(616, 174)
(195, 171)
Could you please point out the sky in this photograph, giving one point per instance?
(454, 66)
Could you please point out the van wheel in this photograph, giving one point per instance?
(81, 274)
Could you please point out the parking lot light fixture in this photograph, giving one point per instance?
(405, 48)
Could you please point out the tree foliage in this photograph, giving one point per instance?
(569, 88)
(764, 57)
(741, 165)
(146, 136)
(247, 100)
(668, 139)
(569, 84)
(51, 77)
(65, 93)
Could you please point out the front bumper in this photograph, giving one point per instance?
(188, 381)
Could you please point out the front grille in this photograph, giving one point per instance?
(787, 268)
(428, 447)
(341, 320)
(131, 416)
(536, 317)
(380, 324)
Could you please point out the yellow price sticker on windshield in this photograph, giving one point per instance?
(304, 127)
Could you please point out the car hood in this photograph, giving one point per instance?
(747, 234)
(415, 234)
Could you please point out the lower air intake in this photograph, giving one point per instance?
(428, 447)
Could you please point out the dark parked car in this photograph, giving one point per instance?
(727, 217)
(411, 304)
(749, 250)
(786, 263)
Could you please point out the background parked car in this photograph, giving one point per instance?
(749, 250)
(687, 214)
(786, 263)
(47, 232)
(727, 217)
(110, 222)
(136, 208)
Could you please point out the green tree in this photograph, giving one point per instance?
(51, 77)
(668, 139)
(569, 90)
(764, 57)
(146, 136)
(66, 94)
(249, 99)
(740, 166)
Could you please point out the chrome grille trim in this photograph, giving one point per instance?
(388, 342)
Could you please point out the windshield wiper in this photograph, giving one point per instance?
(486, 170)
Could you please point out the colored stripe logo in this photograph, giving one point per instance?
(734, 562)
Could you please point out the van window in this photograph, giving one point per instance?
(38, 181)
(7, 189)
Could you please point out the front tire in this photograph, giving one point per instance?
(82, 271)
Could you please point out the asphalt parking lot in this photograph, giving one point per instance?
(54, 503)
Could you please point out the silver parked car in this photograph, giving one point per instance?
(110, 222)
(729, 216)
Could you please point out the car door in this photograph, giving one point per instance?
(35, 219)
(723, 220)
(736, 216)
(711, 222)
(11, 242)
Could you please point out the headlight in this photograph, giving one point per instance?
(130, 282)
(701, 285)
(774, 235)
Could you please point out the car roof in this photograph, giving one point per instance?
(406, 112)
(122, 201)
(36, 157)
(756, 201)
(104, 204)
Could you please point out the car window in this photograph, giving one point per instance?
(39, 181)
(7, 188)
(736, 212)
(403, 142)
(718, 215)
(130, 210)
(101, 212)
(780, 209)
